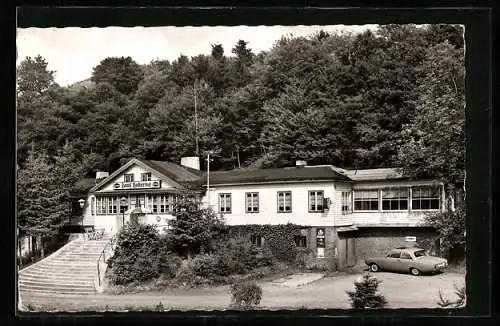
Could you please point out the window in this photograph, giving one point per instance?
(166, 203)
(146, 176)
(419, 253)
(106, 205)
(315, 201)
(112, 205)
(252, 202)
(405, 255)
(394, 254)
(395, 199)
(92, 206)
(366, 200)
(153, 204)
(257, 240)
(346, 202)
(284, 201)
(425, 198)
(128, 177)
(301, 241)
(225, 203)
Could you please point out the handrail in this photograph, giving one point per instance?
(103, 255)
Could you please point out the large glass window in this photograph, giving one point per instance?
(252, 202)
(128, 177)
(425, 198)
(284, 201)
(225, 203)
(366, 200)
(316, 201)
(395, 199)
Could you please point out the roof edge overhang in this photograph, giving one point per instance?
(273, 182)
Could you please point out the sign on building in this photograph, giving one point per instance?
(320, 242)
(137, 185)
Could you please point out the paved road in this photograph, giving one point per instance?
(401, 291)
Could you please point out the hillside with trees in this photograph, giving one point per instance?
(384, 98)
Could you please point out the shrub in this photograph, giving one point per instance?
(141, 255)
(235, 256)
(204, 265)
(458, 303)
(159, 307)
(245, 295)
(302, 258)
(365, 295)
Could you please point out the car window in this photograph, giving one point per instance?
(419, 253)
(405, 255)
(394, 254)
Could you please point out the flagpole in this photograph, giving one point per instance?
(195, 118)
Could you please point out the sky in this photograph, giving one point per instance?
(73, 52)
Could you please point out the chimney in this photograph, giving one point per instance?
(192, 162)
(100, 175)
(300, 164)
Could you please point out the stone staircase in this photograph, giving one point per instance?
(70, 270)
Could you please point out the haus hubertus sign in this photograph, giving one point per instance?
(137, 185)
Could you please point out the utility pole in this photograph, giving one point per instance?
(195, 119)
(208, 179)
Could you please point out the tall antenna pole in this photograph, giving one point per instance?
(208, 180)
(195, 119)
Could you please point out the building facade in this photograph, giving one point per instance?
(346, 214)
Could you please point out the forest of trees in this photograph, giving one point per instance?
(384, 98)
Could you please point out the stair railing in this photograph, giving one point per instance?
(106, 253)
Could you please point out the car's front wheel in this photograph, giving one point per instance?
(414, 271)
(374, 267)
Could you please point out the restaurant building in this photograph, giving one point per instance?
(346, 214)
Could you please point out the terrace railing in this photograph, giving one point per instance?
(102, 261)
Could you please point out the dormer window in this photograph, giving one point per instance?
(128, 177)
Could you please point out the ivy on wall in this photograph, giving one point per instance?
(280, 239)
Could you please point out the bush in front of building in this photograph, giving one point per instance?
(245, 295)
(140, 255)
(365, 294)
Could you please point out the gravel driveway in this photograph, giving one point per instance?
(400, 290)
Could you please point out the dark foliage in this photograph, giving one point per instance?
(278, 239)
(245, 295)
(364, 296)
(140, 255)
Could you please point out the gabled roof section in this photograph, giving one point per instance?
(165, 170)
(174, 171)
(372, 174)
(312, 173)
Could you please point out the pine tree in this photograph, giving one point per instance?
(364, 296)
(38, 199)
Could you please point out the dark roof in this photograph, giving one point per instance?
(310, 173)
(373, 174)
(174, 171)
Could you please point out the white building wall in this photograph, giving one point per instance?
(393, 218)
(112, 222)
(136, 171)
(268, 209)
(341, 219)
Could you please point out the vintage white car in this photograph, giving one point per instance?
(413, 260)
